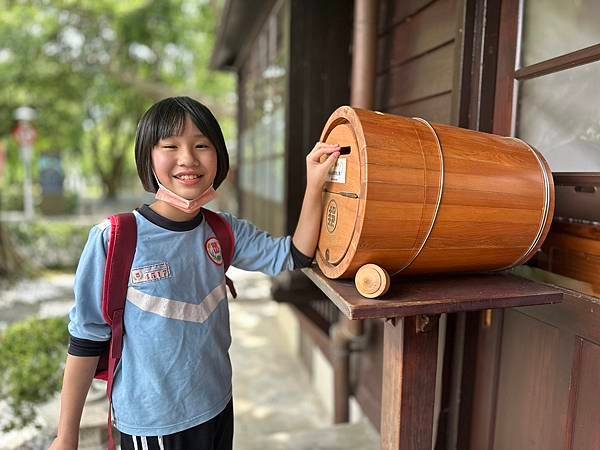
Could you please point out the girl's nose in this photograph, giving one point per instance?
(187, 157)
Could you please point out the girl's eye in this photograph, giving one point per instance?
(201, 146)
(169, 146)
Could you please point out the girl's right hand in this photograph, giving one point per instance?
(59, 444)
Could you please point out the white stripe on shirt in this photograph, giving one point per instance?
(174, 309)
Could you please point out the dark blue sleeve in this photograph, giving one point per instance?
(300, 259)
(86, 347)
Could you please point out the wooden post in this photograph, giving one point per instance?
(409, 375)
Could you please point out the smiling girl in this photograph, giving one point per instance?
(172, 387)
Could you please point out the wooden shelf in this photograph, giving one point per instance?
(436, 295)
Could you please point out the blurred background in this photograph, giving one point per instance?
(75, 78)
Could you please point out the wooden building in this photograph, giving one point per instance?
(516, 379)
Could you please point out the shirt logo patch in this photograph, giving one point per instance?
(213, 249)
(153, 272)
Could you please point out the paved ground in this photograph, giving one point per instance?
(276, 407)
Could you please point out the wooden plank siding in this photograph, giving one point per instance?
(421, 78)
(415, 74)
(424, 32)
(415, 69)
(536, 375)
(547, 395)
(393, 12)
(585, 432)
(435, 109)
(534, 380)
(319, 82)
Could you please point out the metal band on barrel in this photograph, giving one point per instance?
(439, 197)
(535, 242)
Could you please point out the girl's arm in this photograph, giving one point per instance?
(79, 373)
(306, 235)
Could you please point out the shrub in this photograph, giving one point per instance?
(49, 244)
(32, 356)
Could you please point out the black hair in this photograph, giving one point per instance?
(167, 118)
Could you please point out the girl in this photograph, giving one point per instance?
(172, 388)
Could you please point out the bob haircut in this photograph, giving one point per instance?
(167, 118)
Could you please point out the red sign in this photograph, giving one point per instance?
(25, 134)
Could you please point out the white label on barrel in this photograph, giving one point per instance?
(337, 174)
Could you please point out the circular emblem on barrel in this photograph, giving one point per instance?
(332, 215)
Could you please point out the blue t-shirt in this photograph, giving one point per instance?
(175, 371)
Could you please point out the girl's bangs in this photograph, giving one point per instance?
(171, 123)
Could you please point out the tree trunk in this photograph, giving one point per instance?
(111, 187)
(12, 266)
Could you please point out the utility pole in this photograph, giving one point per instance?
(25, 135)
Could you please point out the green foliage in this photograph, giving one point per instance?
(90, 68)
(49, 244)
(32, 355)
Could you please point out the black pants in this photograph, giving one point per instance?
(216, 434)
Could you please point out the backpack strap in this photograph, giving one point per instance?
(224, 235)
(119, 259)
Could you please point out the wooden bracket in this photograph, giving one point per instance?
(391, 320)
(426, 323)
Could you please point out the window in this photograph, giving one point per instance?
(559, 114)
(553, 28)
(547, 94)
(263, 83)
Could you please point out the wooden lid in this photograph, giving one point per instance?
(341, 197)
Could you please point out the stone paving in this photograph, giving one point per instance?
(275, 405)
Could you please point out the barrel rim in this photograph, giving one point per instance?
(548, 211)
(350, 115)
(332, 194)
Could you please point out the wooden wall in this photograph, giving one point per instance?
(537, 380)
(415, 77)
(319, 82)
(536, 373)
(416, 58)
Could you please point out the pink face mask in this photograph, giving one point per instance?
(183, 204)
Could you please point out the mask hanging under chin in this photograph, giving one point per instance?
(183, 204)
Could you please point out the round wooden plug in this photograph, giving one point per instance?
(372, 281)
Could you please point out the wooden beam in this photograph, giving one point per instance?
(409, 372)
(568, 61)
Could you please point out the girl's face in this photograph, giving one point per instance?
(185, 164)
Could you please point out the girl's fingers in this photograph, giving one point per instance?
(332, 158)
(322, 149)
(324, 144)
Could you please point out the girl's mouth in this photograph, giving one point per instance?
(188, 180)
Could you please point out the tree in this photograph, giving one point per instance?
(91, 67)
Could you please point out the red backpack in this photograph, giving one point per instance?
(119, 259)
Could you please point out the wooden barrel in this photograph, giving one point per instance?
(418, 198)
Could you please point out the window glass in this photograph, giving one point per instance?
(277, 187)
(559, 114)
(555, 27)
(264, 84)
